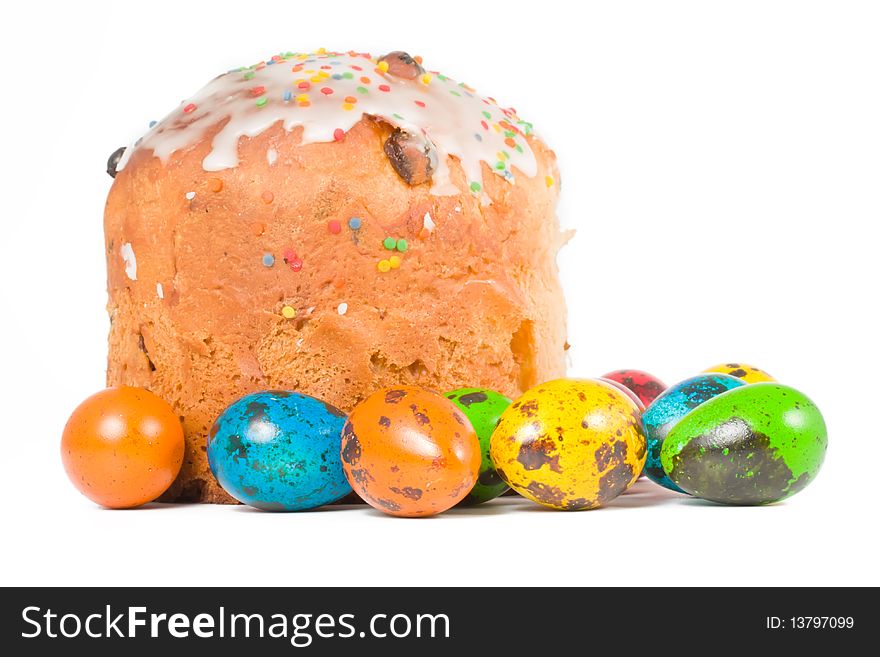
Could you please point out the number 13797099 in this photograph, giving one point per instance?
(810, 623)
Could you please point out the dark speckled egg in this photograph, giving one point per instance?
(410, 452)
(570, 444)
(483, 408)
(647, 387)
(279, 451)
(755, 444)
(748, 373)
(670, 407)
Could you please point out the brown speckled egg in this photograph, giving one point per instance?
(410, 452)
(570, 444)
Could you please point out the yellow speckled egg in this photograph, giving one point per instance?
(748, 373)
(570, 444)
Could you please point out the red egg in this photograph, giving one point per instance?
(647, 387)
(629, 393)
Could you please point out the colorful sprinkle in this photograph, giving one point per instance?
(402, 245)
(261, 101)
(289, 312)
(426, 78)
(288, 94)
(189, 108)
(384, 266)
(334, 226)
(389, 243)
(383, 66)
(394, 261)
(327, 91)
(354, 223)
(268, 259)
(384, 87)
(267, 197)
(549, 181)
(339, 134)
(475, 186)
(215, 185)
(419, 103)
(342, 308)
(190, 196)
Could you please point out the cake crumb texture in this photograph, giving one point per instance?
(320, 270)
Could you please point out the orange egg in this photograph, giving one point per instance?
(122, 447)
(410, 452)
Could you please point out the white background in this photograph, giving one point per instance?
(720, 162)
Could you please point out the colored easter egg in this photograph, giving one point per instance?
(755, 444)
(122, 447)
(279, 451)
(570, 444)
(646, 386)
(670, 407)
(629, 393)
(483, 408)
(410, 452)
(748, 373)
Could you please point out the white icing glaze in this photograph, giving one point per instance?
(428, 223)
(314, 92)
(131, 265)
(271, 156)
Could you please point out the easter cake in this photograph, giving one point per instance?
(330, 223)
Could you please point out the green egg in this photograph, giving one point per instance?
(756, 444)
(483, 408)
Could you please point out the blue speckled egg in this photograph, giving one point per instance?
(670, 407)
(279, 451)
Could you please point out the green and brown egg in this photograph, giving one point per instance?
(754, 444)
(483, 407)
